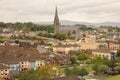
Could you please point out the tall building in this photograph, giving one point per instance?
(56, 22)
(65, 29)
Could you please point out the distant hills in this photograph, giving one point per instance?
(65, 22)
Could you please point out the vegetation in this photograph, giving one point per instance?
(43, 73)
(2, 39)
(95, 67)
(73, 59)
(1, 78)
(82, 57)
(24, 38)
(29, 26)
(118, 53)
(117, 77)
(77, 71)
(85, 28)
(111, 28)
(59, 36)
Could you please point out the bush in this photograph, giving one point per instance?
(83, 72)
(117, 68)
(88, 61)
(75, 70)
(103, 68)
(73, 59)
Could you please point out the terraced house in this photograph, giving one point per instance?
(66, 48)
(104, 53)
(4, 71)
(18, 59)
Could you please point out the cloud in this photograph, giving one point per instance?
(43, 10)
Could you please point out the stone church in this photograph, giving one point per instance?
(58, 28)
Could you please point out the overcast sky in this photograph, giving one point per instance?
(72, 10)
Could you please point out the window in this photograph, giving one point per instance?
(22, 62)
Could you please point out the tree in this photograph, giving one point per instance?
(117, 68)
(43, 73)
(83, 72)
(103, 68)
(46, 71)
(76, 71)
(95, 67)
(30, 75)
(118, 53)
(111, 64)
(88, 61)
(73, 59)
(60, 36)
(82, 57)
(117, 60)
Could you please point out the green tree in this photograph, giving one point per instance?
(111, 64)
(45, 72)
(118, 53)
(117, 68)
(76, 71)
(95, 67)
(82, 57)
(83, 72)
(73, 59)
(60, 36)
(103, 68)
(29, 75)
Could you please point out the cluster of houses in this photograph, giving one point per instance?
(8, 32)
(16, 57)
(98, 47)
(19, 58)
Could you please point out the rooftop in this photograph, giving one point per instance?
(3, 66)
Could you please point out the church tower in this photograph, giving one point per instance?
(56, 22)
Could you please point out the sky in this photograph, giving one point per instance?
(93, 11)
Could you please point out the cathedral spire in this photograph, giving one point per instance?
(56, 22)
(56, 19)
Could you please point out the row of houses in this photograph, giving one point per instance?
(15, 59)
(97, 50)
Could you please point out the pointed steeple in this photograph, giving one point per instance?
(56, 19)
(56, 22)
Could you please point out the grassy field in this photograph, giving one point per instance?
(107, 77)
(113, 78)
